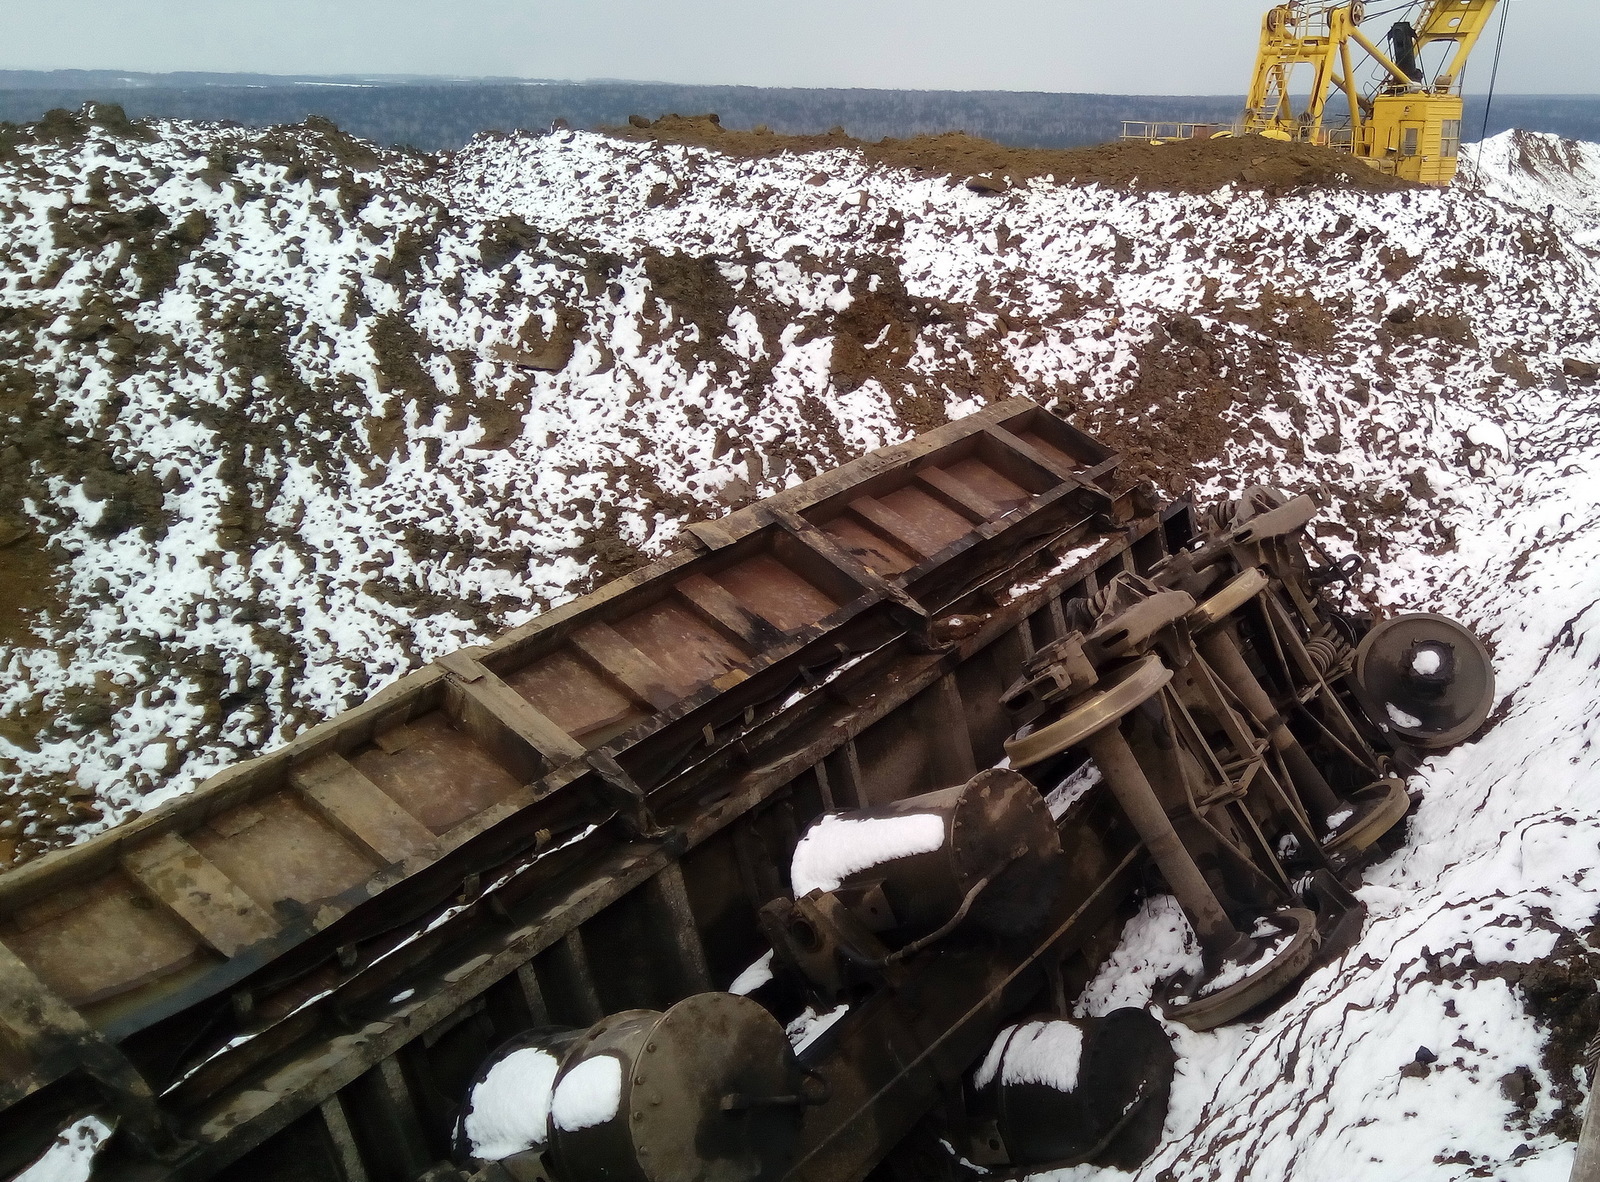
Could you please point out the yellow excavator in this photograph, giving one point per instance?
(1405, 119)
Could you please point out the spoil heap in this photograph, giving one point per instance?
(1179, 166)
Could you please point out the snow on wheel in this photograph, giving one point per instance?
(1283, 945)
(1428, 678)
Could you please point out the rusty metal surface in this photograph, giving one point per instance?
(298, 971)
(520, 820)
(597, 815)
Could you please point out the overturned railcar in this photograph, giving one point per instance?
(783, 858)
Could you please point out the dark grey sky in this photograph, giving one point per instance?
(1114, 46)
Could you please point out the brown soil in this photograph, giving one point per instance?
(27, 586)
(1559, 990)
(1189, 166)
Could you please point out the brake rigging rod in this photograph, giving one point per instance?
(1217, 646)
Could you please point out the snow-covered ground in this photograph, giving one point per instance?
(296, 416)
(1540, 172)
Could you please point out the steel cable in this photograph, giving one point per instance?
(1488, 104)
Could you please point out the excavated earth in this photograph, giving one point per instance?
(287, 415)
(1179, 166)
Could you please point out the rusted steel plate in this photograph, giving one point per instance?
(546, 924)
(634, 703)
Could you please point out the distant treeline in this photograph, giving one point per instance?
(436, 115)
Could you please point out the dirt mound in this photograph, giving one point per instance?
(1187, 166)
(1559, 990)
(1546, 156)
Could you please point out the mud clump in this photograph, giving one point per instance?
(876, 337)
(63, 126)
(694, 289)
(1560, 991)
(401, 353)
(877, 332)
(609, 555)
(1183, 166)
(504, 239)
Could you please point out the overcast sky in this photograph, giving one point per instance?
(1108, 46)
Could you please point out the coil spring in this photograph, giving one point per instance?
(1325, 652)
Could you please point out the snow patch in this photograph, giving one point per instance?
(836, 847)
(588, 1094)
(810, 1026)
(1400, 718)
(508, 1111)
(71, 1157)
(1232, 972)
(753, 977)
(1484, 433)
(1043, 1052)
(1072, 789)
(1157, 945)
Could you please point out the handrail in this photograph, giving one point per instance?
(1134, 129)
(1339, 138)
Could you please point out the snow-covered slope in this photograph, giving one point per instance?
(1538, 172)
(295, 416)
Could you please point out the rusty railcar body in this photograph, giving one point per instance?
(298, 970)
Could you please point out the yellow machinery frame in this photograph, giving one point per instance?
(1407, 126)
